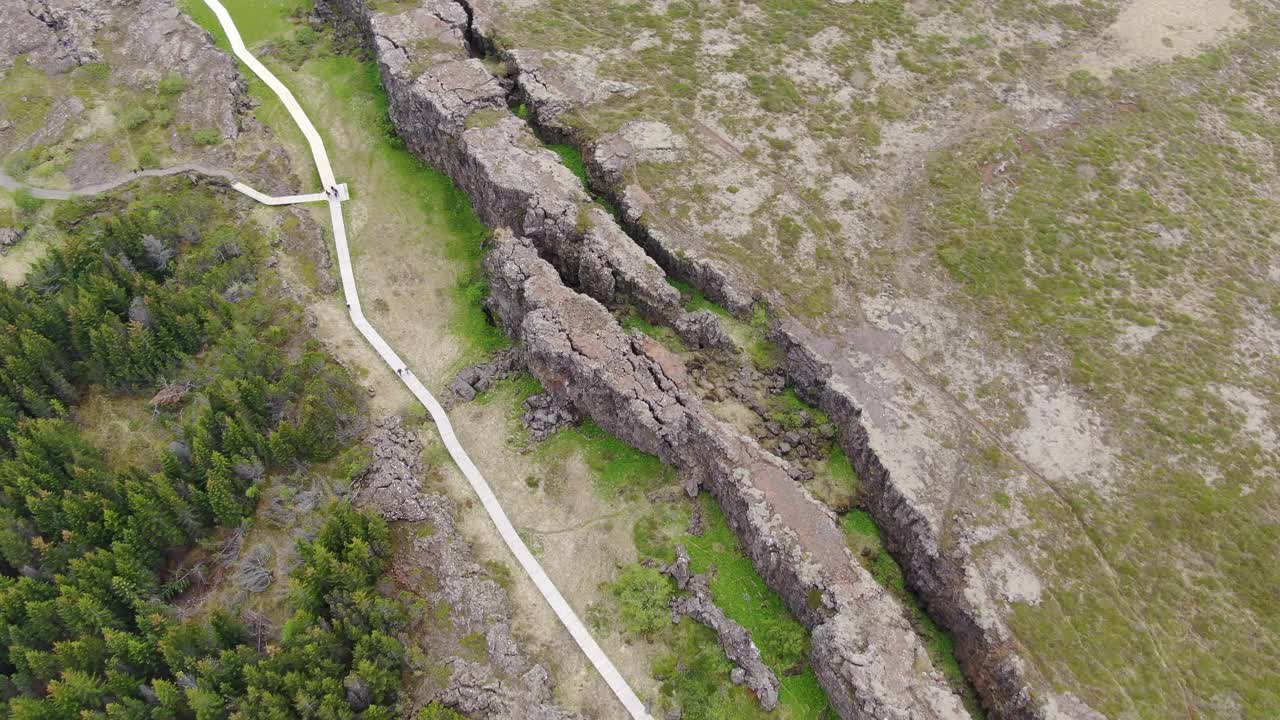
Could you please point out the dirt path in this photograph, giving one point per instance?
(14, 185)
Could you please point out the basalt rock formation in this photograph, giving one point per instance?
(865, 652)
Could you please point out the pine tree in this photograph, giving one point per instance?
(223, 493)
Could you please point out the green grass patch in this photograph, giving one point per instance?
(619, 469)
(741, 593)
(572, 159)
(836, 482)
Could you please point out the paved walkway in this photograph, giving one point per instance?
(469, 470)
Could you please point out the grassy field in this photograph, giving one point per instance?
(1138, 243)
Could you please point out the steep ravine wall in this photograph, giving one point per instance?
(452, 112)
(988, 659)
(865, 653)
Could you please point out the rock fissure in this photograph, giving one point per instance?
(635, 389)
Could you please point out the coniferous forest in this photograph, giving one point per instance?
(167, 290)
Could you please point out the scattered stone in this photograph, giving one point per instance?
(509, 685)
(546, 414)
(390, 484)
(475, 379)
(9, 237)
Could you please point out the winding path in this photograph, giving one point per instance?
(509, 535)
(12, 184)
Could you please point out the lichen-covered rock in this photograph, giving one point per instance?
(734, 639)
(638, 141)
(554, 83)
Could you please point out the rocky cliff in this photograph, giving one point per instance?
(865, 653)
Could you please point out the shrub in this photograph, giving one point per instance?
(643, 596)
(172, 84)
(134, 118)
(206, 136)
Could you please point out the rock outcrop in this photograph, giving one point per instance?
(390, 484)
(545, 414)
(552, 83)
(865, 652)
(454, 114)
(983, 646)
(734, 639)
(506, 684)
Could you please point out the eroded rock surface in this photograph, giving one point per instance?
(390, 484)
(455, 115)
(553, 83)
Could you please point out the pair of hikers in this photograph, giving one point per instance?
(332, 191)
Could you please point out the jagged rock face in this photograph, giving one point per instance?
(635, 389)
(734, 638)
(454, 115)
(982, 644)
(702, 329)
(509, 686)
(554, 83)
(638, 141)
